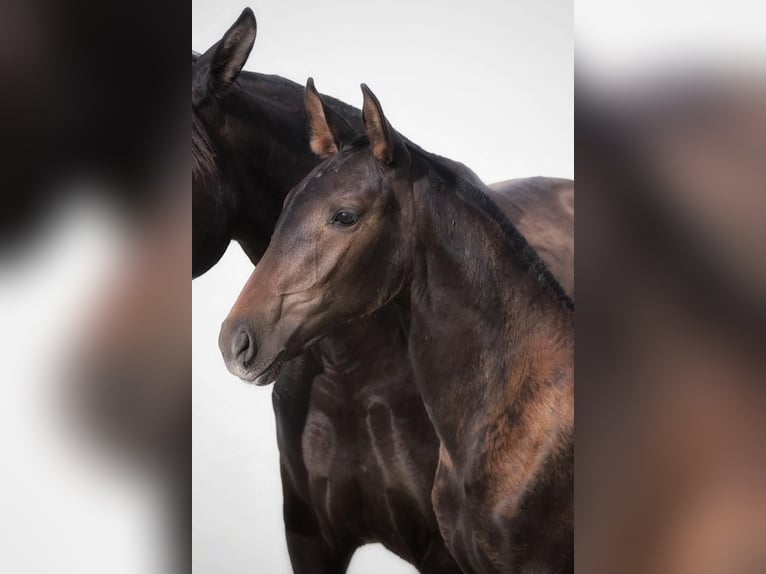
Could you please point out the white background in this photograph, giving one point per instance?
(487, 83)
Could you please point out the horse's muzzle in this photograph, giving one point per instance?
(238, 348)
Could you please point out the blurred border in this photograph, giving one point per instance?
(670, 170)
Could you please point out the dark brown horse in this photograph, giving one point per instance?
(489, 333)
(358, 452)
(249, 147)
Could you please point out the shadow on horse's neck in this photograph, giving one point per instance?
(362, 357)
(262, 149)
(484, 315)
(269, 139)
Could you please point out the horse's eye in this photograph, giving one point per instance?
(345, 217)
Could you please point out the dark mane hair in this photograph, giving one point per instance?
(252, 87)
(445, 171)
(204, 168)
(277, 87)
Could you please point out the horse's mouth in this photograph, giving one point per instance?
(268, 374)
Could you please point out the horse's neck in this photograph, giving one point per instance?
(484, 334)
(282, 120)
(266, 143)
(365, 355)
(273, 147)
(274, 130)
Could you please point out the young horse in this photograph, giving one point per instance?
(358, 452)
(489, 332)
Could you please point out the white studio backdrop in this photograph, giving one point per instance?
(489, 84)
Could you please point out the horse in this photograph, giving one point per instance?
(345, 483)
(489, 331)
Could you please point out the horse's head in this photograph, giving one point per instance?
(214, 201)
(213, 129)
(341, 248)
(213, 75)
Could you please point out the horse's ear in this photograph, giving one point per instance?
(383, 138)
(224, 60)
(328, 129)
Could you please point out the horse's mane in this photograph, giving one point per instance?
(274, 84)
(448, 172)
(204, 167)
(273, 87)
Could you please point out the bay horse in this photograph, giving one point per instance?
(358, 452)
(489, 331)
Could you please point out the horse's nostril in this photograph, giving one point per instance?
(242, 348)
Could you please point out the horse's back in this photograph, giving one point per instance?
(542, 209)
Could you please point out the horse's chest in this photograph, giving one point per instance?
(367, 472)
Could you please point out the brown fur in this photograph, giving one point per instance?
(542, 209)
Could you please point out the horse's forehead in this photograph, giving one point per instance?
(348, 168)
